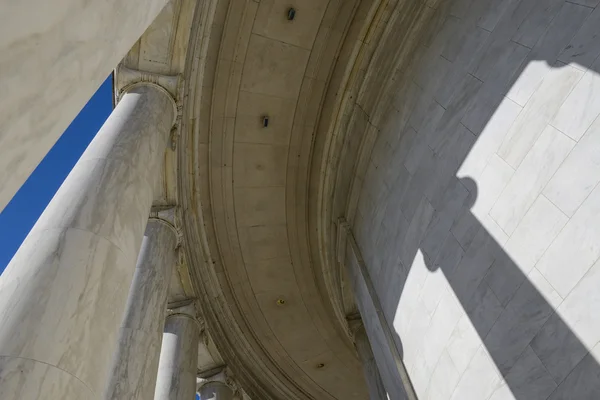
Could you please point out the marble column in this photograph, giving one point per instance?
(178, 363)
(365, 354)
(63, 294)
(136, 360)
(55, 55)
(216, 388)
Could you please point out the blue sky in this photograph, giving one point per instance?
(19, 216)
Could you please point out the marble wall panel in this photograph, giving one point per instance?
(518, 258)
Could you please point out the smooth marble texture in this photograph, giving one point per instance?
(579, 174)
(56, 56)
(135, 362)
(63, 294)
(44, 382)
(367, 359)
(176, 378)
(478, 214)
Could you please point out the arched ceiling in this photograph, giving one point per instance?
(258, 204)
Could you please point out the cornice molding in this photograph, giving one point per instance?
(348, 138)
(196, 218)
(355, 324)
(332, 139)
(126, 79)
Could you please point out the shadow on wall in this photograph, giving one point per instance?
(505, 93)
(530, 344)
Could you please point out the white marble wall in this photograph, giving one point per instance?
(479, 217)
(63, 294)
(54, 57)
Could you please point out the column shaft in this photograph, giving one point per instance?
(60, 53)
(370, 370)
(385, 348)
(136, 361)
(63, 295)
(178, 357)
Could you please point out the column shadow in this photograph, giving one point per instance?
(537, 353)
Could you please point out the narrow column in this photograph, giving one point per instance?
(178, 363)
(63, 295)
(136, 361)
(60, 53)
(365, 354)
(383, 345)
(216, 388)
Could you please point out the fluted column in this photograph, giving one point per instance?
(55, 56)
(63, 295)
(136, 360)
(365, 354)
(178, 356)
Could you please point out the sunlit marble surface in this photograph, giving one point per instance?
(44, 382)
(63, 295)
(55, 55)
(479, 212)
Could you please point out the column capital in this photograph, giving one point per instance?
(129, 88)
(224, 377)
(185, 309)
(355, 324)
(166, 215)
(126, 79)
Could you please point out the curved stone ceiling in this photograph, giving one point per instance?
(344, 85)
(246, 189)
